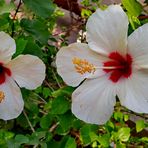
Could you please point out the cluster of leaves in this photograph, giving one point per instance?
(47, 120)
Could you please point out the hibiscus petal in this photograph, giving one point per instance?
(138, 46)
(7, 47)
(28, 71)
(93, 102)
(133, 92)
(73, 72)
(12, 104)
(107, 30)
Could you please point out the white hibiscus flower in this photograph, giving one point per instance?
(111, 64)
(24, 71)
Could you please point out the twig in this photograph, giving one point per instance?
(48, 85)
(17, 9)
(40, 97)
(53, 127)
(54, 75)
(44, 113)
(143, 17)
(33, 130)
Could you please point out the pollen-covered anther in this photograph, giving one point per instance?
(2, 96)
(83, 66)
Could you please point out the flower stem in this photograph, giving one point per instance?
(33, 130)
(17, 9)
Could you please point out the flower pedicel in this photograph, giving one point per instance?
(110, 64)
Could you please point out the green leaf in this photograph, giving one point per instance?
(46, 121)
(65, 123)
(88, 133)
(126, 117)
(32, 107)
(144, 139)
(20, 46)
(20, 139)
(5, 135)
(123, 134)
(120, 145)
(104, 140)
(140, 125)
(86, 13)
(63, 91)
(133, 7)
(37, 29)
(118, 116)
(33, 49)
(60, 105)
(110, 126)
(4, 23)
(54, 144)
(84, 133)
(6, 8)
(41, 8)
(46, 92)
(43, 145)
(70, 143)
(36, 136)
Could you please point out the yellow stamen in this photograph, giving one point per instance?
(82, 66)
(2, 96)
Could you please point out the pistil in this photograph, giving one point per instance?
(118, 66)
(3, 72)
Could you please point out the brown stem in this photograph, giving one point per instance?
(33, 130)
(143, 17)
(17, 9)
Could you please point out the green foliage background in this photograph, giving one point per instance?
(47, 121)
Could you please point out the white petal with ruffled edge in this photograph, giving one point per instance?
(7, 47)
(28, 71)
(93, 101)
(12, 105)
(138, 46)
(107, 30)
(134, 93)
(66, 68)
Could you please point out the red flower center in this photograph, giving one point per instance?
(120, 66)
(3, 72)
